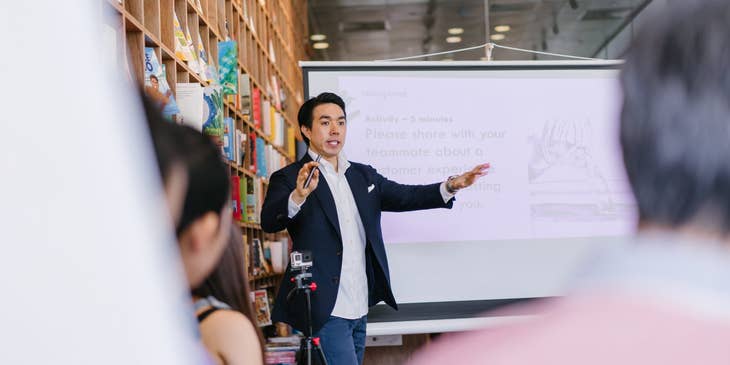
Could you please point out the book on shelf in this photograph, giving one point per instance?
(261, 265)
(252, 152)
(228, 67)
(203, 60)
(190, 101)
(291, 141)
(236, 197)
(250, 208)
(229, 139)
(234, 142)
(280, 357)
(245, 251)
(258, 192)
(261, 167)
(156, 86)
(194, 62)
(240, 149)
(272, 54)
(182, 49)
(244, 92)
(266, 117)
(256, 106)
(243, 198)
(213, 112)
(199, 6)
(277, 253)
(276, 92)
(282, 350)
(262, 312)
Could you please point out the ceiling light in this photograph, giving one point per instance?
(456, 31)
(318, 37)
(497, 37)
(321, 45)
(453, 39)
(502, 28)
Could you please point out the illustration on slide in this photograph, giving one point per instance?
(567, 182)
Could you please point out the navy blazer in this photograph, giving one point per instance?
(316, 228)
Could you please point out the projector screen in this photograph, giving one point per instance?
(556, 190)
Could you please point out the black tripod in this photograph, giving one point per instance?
(304, 284)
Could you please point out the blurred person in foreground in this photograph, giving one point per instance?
(665, 297)
(196, 185)
(223, 308)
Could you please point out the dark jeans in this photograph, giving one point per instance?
(343, 340)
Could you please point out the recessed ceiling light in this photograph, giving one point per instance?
(502, 28)
(497, 37)
(318, 37)
(453, 39)
(456, 31)
(321, 45)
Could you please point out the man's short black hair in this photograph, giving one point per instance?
(675, 122)
(305, 112)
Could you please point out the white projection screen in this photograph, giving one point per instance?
(556, 191)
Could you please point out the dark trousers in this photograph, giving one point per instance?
(343, 340)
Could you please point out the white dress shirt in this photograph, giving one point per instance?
(352, 294)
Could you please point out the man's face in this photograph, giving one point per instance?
(329, 128)
(155, 84)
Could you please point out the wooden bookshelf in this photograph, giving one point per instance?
(271, 38)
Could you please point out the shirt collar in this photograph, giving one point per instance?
(342, 163)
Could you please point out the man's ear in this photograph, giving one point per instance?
(203, 232)
(306, 132)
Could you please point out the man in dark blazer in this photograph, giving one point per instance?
(340, 225)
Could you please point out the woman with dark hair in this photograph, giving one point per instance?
(223, 308)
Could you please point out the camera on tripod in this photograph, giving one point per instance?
(301, 260)
(309, 348)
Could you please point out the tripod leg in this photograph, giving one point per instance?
(320, 354)
(305, 352)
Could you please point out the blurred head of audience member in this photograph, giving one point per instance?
(229, 329)
(197, 189)
(675, 122)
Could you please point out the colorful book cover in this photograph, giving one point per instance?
(250, 201)
(228, 66)
(202, 58)
(156, 86)
(252, 153)
(261, 307)
(256, 107)
(236, 197)
(213, 111)
(243, 199)
(229, 138)
(241, 139)
(261, 157)
(181, 43)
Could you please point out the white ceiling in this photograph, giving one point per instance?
(381, 29)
